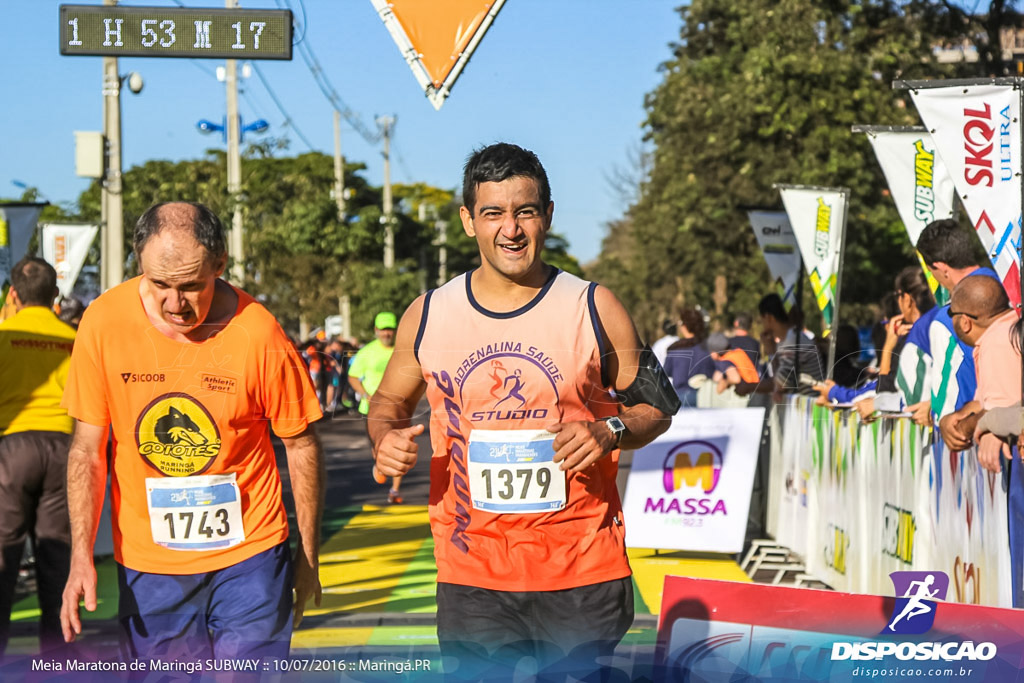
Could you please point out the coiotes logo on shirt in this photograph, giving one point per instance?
(177, 435)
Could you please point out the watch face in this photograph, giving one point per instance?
(616, 424)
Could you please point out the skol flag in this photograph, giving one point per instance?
(17, 221)
(437, 38)
(976, 129)
(818, 217)
(65, 247)
(781, 252)
(918, 180)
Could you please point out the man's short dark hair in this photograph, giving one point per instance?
(944, 241)
(771, 304)
(34, 281)
(206, 228)
(743, 321)
(498, 162)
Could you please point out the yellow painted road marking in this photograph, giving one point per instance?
(650, 570)
(364, 562)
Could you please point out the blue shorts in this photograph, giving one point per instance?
(239, 612)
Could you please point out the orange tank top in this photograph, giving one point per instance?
(522, 370)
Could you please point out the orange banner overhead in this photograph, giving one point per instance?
(438, 37)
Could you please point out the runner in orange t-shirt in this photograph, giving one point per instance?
(190, 374)
(518, 360)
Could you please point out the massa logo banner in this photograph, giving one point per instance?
(690, 488)
(818, 217)
(977, 134)
(177, 435)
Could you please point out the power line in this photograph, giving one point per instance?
(322, 82)
(287, 118)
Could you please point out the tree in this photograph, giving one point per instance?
(758, 93)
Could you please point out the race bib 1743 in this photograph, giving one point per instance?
(513, 471)
(195, 513)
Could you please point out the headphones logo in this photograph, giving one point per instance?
(693, 463)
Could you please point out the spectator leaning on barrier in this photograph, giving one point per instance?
(984, 321)
(190, 374)
(35, 431)
(741, 339)
(787, 347)
(947, 250)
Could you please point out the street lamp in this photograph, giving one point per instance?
(232, 136)
(207, 127)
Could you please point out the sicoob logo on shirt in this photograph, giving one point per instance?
(176, 435)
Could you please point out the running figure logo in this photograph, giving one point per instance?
(914, 611)
(510, 384)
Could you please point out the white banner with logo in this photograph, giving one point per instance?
(977, 132)
(690, 488)
(918, 180)
(17, 221)
(65, 246)
(858, 501)
(818, 217)
(778, 244)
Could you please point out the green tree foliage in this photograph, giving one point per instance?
(757, 93)
(300, 255)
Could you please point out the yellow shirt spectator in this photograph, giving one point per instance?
(35, 350)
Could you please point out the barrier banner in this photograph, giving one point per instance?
(778, 244)
(690, 488)
(65, 247)
(818, 217)
(725, 631)
(977, 131)
(918, 182)
(437, 38)
(861, 500)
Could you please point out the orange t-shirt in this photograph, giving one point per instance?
(186, 417)
(741, 361)
(518, 371)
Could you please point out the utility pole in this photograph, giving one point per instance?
(111, 209)
(442, 252)
(386, 124)
(339, 168)
(344, 304)
(235, 249)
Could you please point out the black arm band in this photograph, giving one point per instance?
(651, 386)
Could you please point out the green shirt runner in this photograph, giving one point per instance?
(368, 367)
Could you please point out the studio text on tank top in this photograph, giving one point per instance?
(525, 369)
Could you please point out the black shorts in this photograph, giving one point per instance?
(484, 633)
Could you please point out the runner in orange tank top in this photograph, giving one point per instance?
(518, 361)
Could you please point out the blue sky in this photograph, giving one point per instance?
(565, 78)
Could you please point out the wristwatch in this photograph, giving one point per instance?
(617, 427)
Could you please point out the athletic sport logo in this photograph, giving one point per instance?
(176, 435)
(914, 611)
(692, 463)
